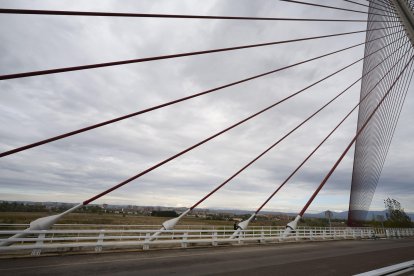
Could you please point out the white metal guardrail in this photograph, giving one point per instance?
(63, 239)
(397, 269)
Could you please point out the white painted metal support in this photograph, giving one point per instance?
(240, 238)
(398, 269)
(155, 235)
(184, 240)
(44, 223)
(280, 236)
(242, 226)
(236, 233)
(16, 236)
(214, 242)
(39, 243)
(47, 222)
(373, 236)
(146, 241)
(169, 224)
(98, 247)
(291, 226)
(262, 236)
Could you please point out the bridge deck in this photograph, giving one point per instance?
(316, 258)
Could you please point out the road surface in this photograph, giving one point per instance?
(308, 258)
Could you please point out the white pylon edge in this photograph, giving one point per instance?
(406, 16)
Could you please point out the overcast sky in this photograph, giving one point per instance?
(76, 168)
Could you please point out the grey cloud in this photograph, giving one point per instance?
(78, 167)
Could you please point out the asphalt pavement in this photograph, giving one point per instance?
(306, 258)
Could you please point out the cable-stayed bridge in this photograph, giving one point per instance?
(383, 84)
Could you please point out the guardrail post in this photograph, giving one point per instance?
(39, 242)
(98, 247)
(184, 240)
(371, 233)
(280, 239)
(240, 237)
(311, 235)
(214, 242)
(146, 241)
(262, 236)
(324, 234)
